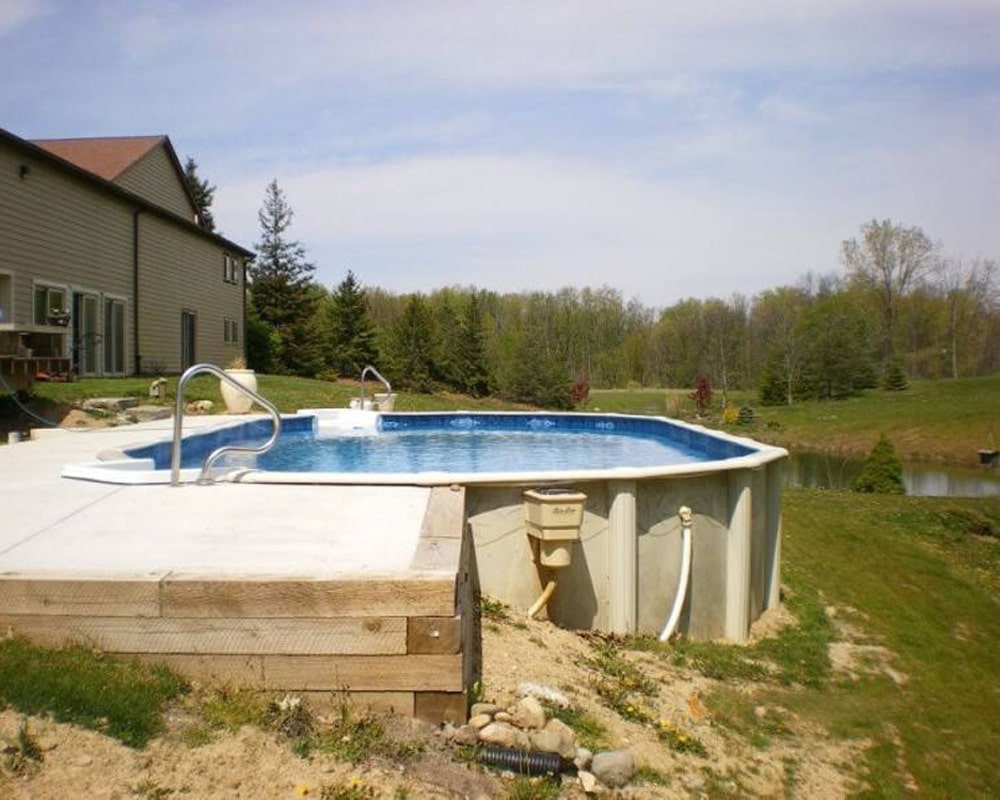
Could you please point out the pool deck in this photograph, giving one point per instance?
(287, 587)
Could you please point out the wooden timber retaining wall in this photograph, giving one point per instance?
(409, 643)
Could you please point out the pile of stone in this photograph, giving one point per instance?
(524, 727)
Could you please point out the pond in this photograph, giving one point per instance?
(823, 471)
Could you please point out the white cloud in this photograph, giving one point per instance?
(15, 13)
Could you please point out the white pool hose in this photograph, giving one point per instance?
(543, 598)
(682, 584)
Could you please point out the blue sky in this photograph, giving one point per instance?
(666, 149)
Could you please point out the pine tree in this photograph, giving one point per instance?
(280, 282)
(448, 355)
(352, 336)
(411, 346)
(882, 472)
(473, 362)
(203, 193)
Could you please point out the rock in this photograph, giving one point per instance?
(467, 735)
(541, 692)
(199, 407)
(480, 721)
(567, 738)
(109, 403)
(613, 768)
(545, 741)
(484, 708)
(582, 758)
(503, 716)
(588, 781)
(502, 734)
(528, 713)
(150, 413)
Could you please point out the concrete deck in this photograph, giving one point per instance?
(54, 525)
(305, 588)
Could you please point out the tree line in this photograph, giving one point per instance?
(898, 308)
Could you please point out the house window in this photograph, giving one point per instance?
(229, 333)
(6, 297)
(50, 305)
(230, 269)
(114, 336)
(188, 327)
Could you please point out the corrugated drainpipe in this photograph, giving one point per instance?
(135, 290)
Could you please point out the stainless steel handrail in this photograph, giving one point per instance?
(215, 455)
(377, 374)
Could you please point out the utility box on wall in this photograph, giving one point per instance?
(553, 517)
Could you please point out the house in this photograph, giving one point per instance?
(105, 266)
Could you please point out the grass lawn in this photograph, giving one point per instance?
(941, 420)
(925, 585)
(288, 393)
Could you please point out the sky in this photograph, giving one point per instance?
(665, 149)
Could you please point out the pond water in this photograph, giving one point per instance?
(822, 471)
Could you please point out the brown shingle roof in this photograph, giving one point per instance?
(107, 156)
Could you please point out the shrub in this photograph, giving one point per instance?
(702, 394)
(882, 472)
(895, 378)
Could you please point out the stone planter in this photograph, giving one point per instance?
(236, 401)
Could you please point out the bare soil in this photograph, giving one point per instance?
(802, 761)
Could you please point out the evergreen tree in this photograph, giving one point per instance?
(882, 472)
(448, 353)
(352, 336)
(411, 347)
(281, 279)
(203, 193)
(473, 361)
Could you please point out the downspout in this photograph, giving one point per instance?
(135, 291)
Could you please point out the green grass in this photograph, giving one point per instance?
(590, 733)
(123, 699)
(945, 420)
(288, 393)
(938, 611)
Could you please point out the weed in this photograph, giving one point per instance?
(121, 698)
(23, 753)
(493, 610)
(355, 738)
(524, 788)
(740, 713)
(619, 683)
(230, 709)
(150, 790)
(679, 741)
(354, 790)
(590, 733)
(647, 776)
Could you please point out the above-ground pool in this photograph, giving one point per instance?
(348, 446)
(635, 473)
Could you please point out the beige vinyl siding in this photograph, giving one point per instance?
(56, 229)
(154, 178)
(180, 272)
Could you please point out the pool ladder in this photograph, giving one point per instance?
(206, 468)
(377, 374)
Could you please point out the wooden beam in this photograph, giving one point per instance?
(440, 707)
(339, 635)
(429, 635)
(438, 673)
(201, 596)
(25, 594)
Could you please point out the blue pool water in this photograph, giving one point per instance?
(461, 443)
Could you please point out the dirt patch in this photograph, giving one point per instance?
(801, 760)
